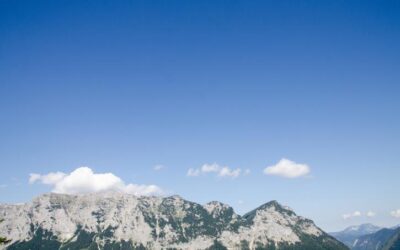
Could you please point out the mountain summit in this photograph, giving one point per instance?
(123, 221)
(350, 236)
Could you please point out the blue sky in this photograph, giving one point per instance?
(123, 87)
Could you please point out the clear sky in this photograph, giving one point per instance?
(124, 87)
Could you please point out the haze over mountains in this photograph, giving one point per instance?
(350, 234)
(369, 237)
(123, 221)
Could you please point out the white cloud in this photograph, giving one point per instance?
(225, 171)
(84, 180)
(49, 179)
(288, 169)
(240, 202)
(216, 169)
(207, 168)
(247, 171)
(351, 215)
(158, 167)
(371, 214)
(142, 189)
(395, 213)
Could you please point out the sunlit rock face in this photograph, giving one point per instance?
(123, 221)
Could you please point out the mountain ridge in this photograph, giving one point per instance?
(350, 234)
(368, 237)
(393, 243)
(122, 221)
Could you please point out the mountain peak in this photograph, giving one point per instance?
(361, 229)
(276, 205)
(354, 235)
(270, 206)
(175, 197)
(215, 205)
(223, 212)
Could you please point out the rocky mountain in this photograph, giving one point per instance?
(350, 235)
(122, 221)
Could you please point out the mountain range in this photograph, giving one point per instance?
(123, 221)
(394, 242)
(350, 235)
(369, 237)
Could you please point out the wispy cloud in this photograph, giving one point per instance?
(221, 171)
(395, 213)
(287, 169)
(193, 172)
(84, 180)
(371, 214)
(158, 167)
(351, 215)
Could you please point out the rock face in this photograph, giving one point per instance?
(122, 221)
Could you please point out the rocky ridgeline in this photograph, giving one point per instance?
(123, 221)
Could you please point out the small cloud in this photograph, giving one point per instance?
(193, 172)
(288, 169)
(225, 171)
(395, 213)
(158, 167)
(3, 185)
(214, 168)
(371, 214)
(351, 215)
(247, 171)
(84, 180)
(208, 168)
(240, 202)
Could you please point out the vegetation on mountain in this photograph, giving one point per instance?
(394, 242)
